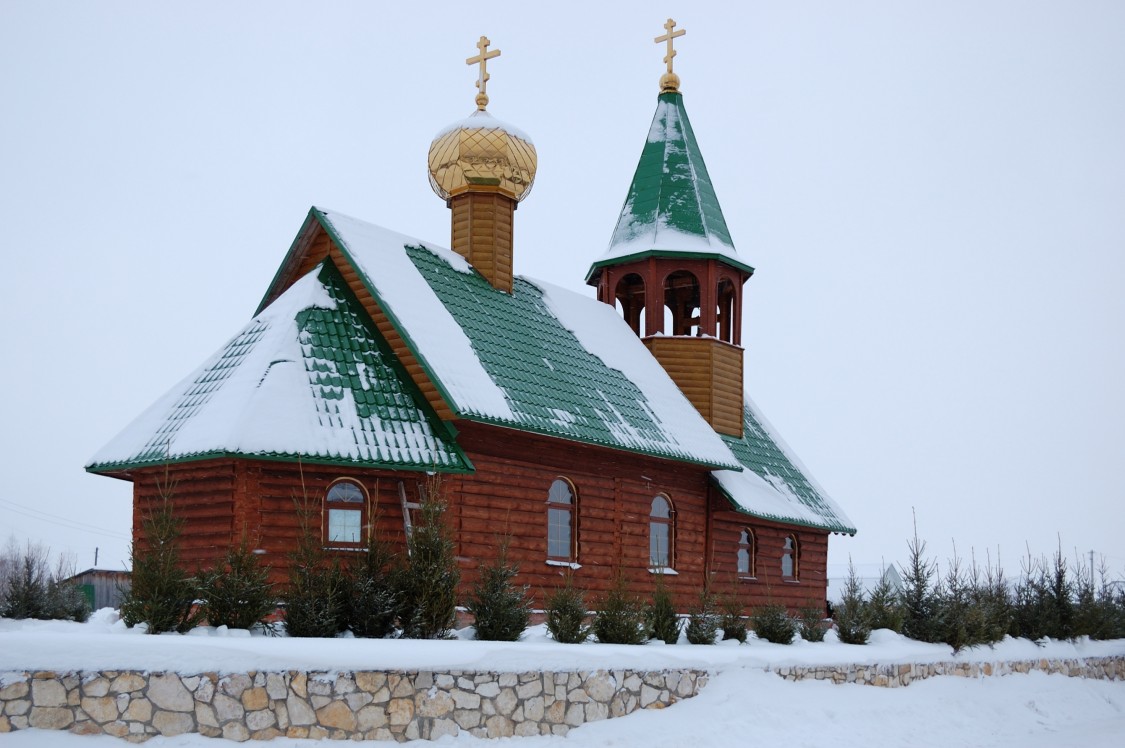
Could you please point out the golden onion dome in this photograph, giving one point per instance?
(482, 151)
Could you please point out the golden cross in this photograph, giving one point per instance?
(668, 37)
(482, 80)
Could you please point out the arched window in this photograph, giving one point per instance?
(661, 533)
(346, 507)
(790, 558)
(562, 506)
(681, 303)
(747, 556)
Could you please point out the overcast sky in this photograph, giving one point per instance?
(933, 195)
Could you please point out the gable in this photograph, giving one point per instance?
(774, 485)
(309, 378)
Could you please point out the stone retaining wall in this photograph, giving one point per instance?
(894, 676)
(407, 705)
(339, 705)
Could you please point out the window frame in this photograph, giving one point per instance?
(750, 546)
(791, 549)
(654, 520)
(360, 506)
(571, 559)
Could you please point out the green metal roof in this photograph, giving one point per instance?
(671, 208)
(309, 378)
(774, 484)
(553, 384)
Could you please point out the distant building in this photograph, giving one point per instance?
(103, 588)
(591, 439)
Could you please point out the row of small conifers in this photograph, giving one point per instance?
(965, 604)
(375, 594)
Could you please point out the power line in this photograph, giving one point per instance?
(70, 524)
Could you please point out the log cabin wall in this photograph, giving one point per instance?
(766, 584)
(202, 494)
(504, 500)
(507, 497)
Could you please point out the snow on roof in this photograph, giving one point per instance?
(775, 484)
(433, 334)
(482, 120)
(520, 359)
(601, 330)
(303, 378)
(671, 207)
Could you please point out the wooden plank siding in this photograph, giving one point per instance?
(709, 373)
(504, 501)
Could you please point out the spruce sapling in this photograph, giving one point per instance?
(703, 621)
(620, 617)
(501, 609)
(237, 593)
(566, 614)
(428, 586)
(851, 615)
(772, 623)
(663, 624)
(161, 594)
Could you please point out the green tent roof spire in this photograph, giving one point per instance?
(671, 208)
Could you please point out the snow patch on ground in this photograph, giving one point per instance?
(742, 699)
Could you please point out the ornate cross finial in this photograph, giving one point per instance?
(669, 81)
(482, 81)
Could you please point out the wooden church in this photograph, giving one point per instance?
(591, 434)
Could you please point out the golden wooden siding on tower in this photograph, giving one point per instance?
(709, 373)
(482, 234)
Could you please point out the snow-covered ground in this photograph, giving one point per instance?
(742, 704)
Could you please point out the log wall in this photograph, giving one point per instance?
(504, 501)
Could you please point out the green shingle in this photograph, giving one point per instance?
(671, 208)
(344, 358)
(758, 451)
(552, 383)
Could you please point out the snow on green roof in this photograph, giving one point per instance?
(775, 485)
(671, 207)
(308, 378)
(547, 361)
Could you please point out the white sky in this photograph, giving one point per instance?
(933, 195)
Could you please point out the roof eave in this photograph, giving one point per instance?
(690, 255)
(826, 526)
(113, 469)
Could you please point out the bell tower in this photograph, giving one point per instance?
(671, 267)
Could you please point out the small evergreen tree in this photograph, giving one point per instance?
(501, 609)
(731, 619)
(920, 606)
(65, 601)
(851, 615)
(703, 620)
(620, 618)
(883, 608)
(237, 593)
(772, 623)
(660, 614)
(161, 593)
(959, 622)
(371, 604)
(566, 614)
(316, 597)
(811, 624)
(428, 586)
(27, 580)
